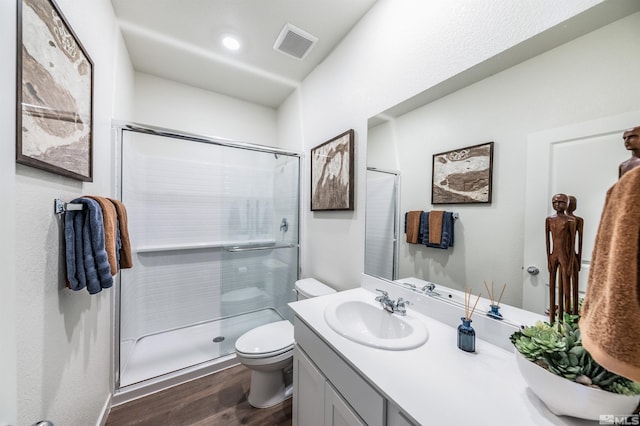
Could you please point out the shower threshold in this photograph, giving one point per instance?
(166, 352)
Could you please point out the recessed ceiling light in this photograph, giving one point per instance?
(230, 42)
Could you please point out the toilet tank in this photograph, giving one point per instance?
(310, 287)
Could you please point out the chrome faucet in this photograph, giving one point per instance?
(410, 285)
(392, 306)
(387, 304)
(429, 288)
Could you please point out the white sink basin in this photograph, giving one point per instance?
(370, 325)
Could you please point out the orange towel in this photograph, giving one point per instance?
(435, 226)
(610, 317)
(126, 260)
(413, 226)
(109, 218)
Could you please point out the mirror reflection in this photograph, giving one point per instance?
(557, 121)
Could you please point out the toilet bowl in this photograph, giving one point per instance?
(267, 351)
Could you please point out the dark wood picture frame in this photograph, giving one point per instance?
(463, 176)
(332, 173)
(54, 93)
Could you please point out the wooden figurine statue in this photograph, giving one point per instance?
(560, 230)
(577, 261)
(631, 138)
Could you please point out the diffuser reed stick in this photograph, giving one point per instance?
(502, 293)
(467, 302)
(491, 293)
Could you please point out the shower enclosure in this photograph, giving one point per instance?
(214, 234)
(382, 223)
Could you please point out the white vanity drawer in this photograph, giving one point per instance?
(364, 399)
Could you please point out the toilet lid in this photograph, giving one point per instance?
(310, 287)
(266, 340)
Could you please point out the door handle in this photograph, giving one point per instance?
(533, 270)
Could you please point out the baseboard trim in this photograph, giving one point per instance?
(106, 408)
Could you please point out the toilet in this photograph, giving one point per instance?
(267, 351)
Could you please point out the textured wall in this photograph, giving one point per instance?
(396, 51)
(579, 81)
(8, 396)
(63, 342)
(172, 105)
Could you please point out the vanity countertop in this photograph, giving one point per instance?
(437, 383)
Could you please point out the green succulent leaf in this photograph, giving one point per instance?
(558, 348)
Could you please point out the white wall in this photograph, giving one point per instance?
(396, 51)
(62, 350)
(579, 81)
(8, 320)
(176, 106)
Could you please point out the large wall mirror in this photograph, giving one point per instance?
(556, 116)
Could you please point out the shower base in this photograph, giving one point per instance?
(166, 352)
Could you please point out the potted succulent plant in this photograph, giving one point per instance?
(581, 387)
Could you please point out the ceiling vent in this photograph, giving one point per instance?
(294, 42)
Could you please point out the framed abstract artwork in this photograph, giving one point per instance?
(463, 176)
(332, 173)
(54, 93)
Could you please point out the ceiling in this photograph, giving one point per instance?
(180, 40)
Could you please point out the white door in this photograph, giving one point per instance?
(580, 160)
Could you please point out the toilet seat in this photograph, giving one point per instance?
(267, 340)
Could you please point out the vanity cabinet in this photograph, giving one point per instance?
(395, 416)
(337, 411)
(328, 392)
(315, 401)
(308, 391)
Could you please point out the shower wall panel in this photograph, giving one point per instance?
(205, 226)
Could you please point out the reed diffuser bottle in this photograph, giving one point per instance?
(466, 336)
(466, 333)
(494, 308)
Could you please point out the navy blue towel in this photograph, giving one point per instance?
(87, 260)
(446, 239)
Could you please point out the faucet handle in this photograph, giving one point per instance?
(384, 295)
(401, 303)
(410, 285)
(400, 306)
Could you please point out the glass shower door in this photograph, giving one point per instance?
(381, 224)
(257, 272)
(211, 257)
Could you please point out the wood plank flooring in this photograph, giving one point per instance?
(219, 399)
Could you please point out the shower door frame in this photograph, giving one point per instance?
(396, 220)
(129, 392)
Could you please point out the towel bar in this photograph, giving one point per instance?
(60, 206)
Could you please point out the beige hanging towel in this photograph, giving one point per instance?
(610, 317)
(435, 226)
(109, 217)
(126, 258)
(413, 226)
